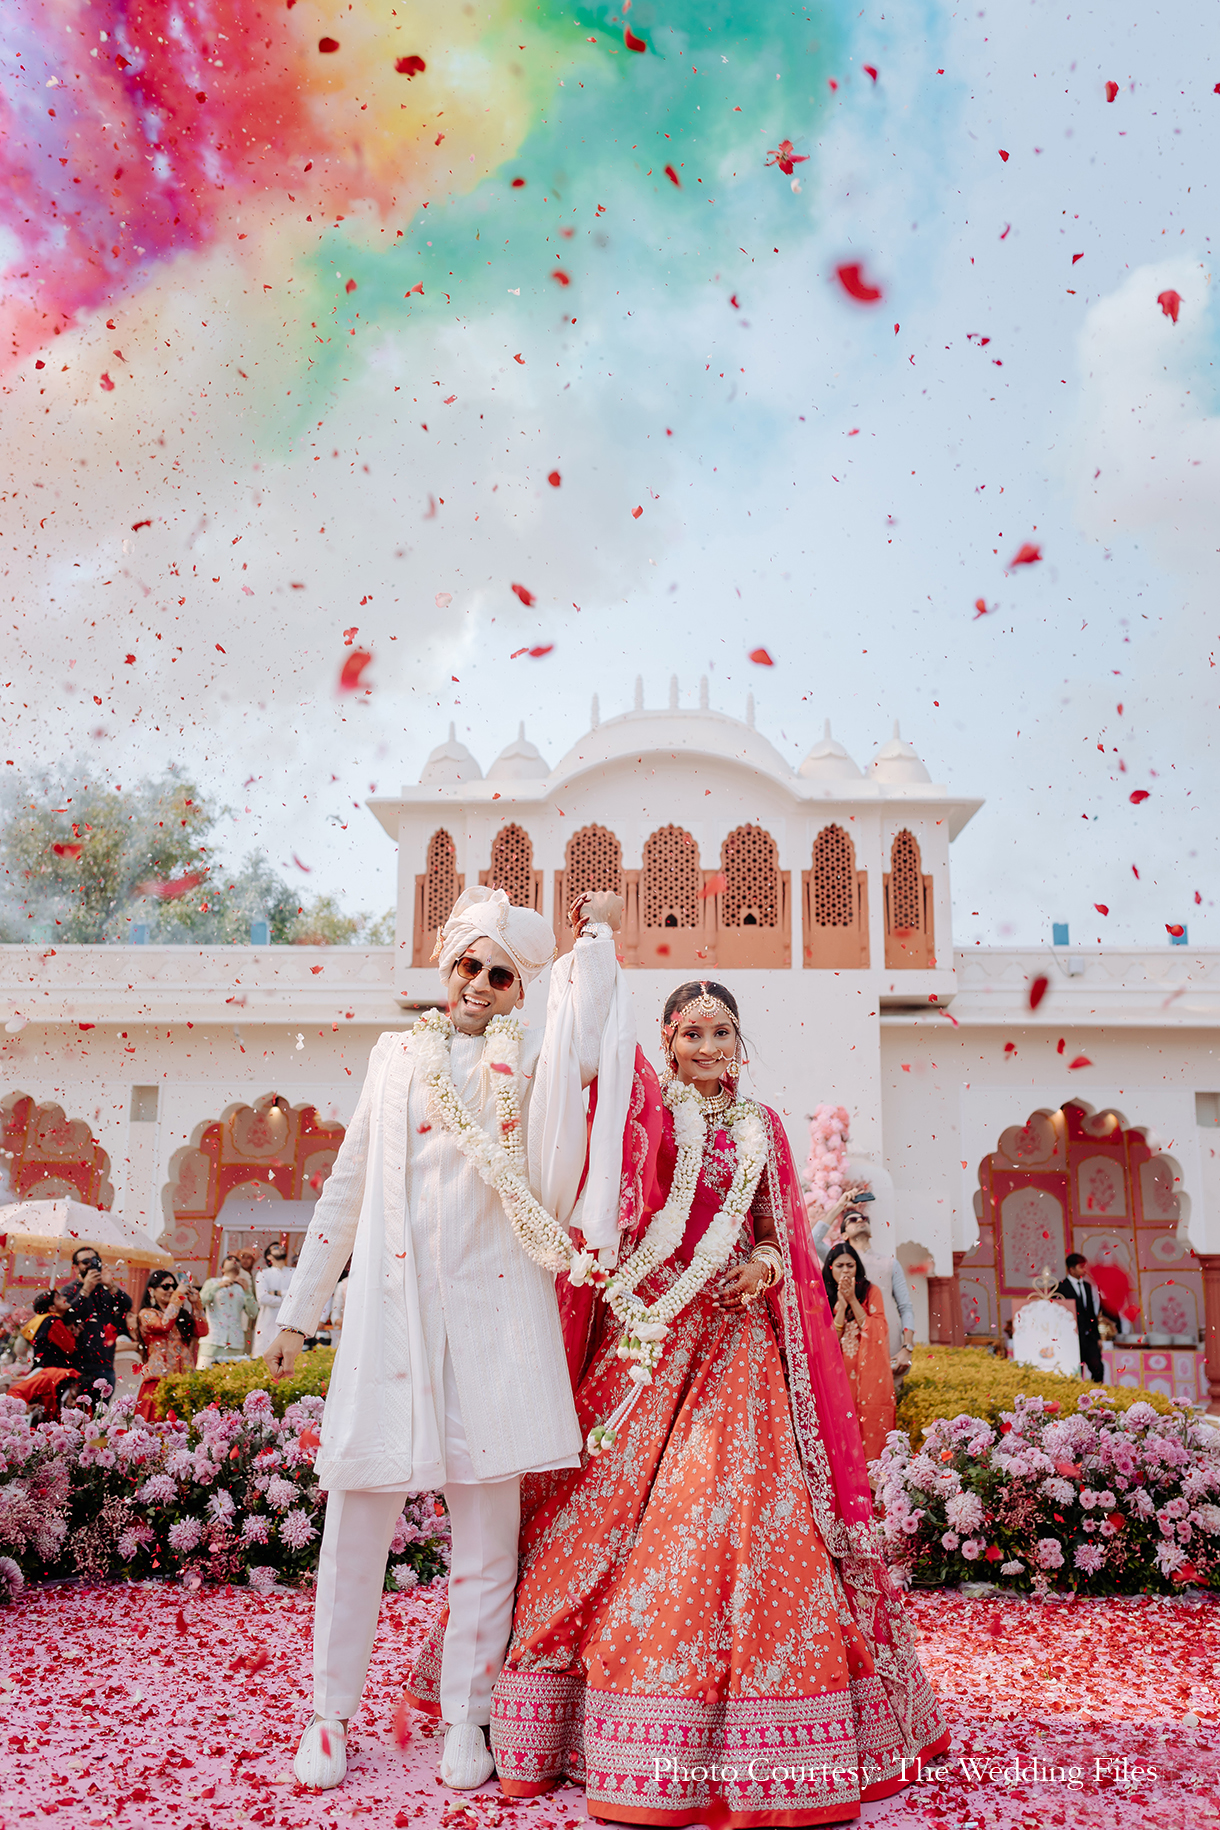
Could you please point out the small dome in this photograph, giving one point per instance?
(451, 761)
(828, 761)
(896, 761)
(519, 761)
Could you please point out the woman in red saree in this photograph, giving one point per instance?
(860, 1321)
(167, 1324)
(704, 1628)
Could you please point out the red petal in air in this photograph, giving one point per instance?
(1037, 991)
(563, 278)
(761, 658)
(539, 649)
(500, 1067)
(1079, 1061)
(850, 276)
(1004, 155)
(636, 513)
(326, 45)
(632, 42)
(1028, 556)
(1103, 908)
(71, 852)
(871, 70)
(1169, 301)
(716, 885)
(307, 868)
(518, 184)
(348, 635)
(1137, 795)
(554, 479)
(350, 287)
(1175, 928)
(1111, 91)
(410, 66)
(353, 667)
(108, 385)
(527, 597)
(673, 177)
(980, 608)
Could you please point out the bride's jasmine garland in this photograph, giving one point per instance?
(645, 1325)
(499, 1160)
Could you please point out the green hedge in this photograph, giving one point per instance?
(230, 1386)
(947, 1381)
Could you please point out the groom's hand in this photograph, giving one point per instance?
(282, 1354)
(604, 905)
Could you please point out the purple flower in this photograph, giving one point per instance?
(950, 1540)
(158, 1490)
(255, 1529)
(280, 1493)
(1049, 1553)
(974, 1547)
(296, 1530)
(1088, 1557)
(184, 1534)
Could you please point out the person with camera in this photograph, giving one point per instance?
(100, 1309)
(168, 1324)
(229, 1303)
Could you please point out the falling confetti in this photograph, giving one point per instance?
(539, 649)
(851, 277)
(1169, 302)
(1111, 91)
(761, 658)
(1103, 908)
(171, 891)
(1137, 795)
(411, 66)
(353, 667)
(527, 597)
(554, 479)
(1079, 1061)
(1037, 990)
(1028, 556)
(1175, 928)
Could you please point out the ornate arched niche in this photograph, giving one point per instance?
(269, 1150)
(437, 888)
(909, 940)
(512, 868)
(593, 860)
(670, 903)
(1077, 1180)
(834, 904)
(753, 911)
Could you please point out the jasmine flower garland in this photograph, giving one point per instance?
(645, 1325)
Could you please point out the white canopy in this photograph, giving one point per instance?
(57, 1228)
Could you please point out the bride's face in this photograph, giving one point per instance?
(703, 1050)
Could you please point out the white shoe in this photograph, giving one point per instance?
(314, 1766)
(467, 1760)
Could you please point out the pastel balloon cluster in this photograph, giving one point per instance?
(827, 1164)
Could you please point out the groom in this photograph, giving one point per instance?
(451, 1370)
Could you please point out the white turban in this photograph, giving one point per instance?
(485, 914)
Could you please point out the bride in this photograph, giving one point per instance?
(704, 1630)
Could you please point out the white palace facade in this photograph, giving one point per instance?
(202, 1092)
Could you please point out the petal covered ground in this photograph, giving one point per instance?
(142, 1707)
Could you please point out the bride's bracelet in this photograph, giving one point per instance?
(771, 1258)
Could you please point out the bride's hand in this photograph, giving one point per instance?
(740, 1287)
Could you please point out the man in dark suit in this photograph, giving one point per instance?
(1077, 1288)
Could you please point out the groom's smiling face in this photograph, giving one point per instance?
(473, 1002)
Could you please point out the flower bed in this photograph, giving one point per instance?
(229, 1386)
(225, 1496)
(1098, 1500)
(952, 1381)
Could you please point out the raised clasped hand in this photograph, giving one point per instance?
(740, 1287)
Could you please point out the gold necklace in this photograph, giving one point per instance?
(714, 1103)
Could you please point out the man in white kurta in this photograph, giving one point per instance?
(450, 1371)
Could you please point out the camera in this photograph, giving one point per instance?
(92, 1263)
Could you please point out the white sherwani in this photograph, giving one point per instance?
(436, 1267)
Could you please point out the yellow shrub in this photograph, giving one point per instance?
(230, 1386)
(947, 1381)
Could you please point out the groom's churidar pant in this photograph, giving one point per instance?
(484, 1518)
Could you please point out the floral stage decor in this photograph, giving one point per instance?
(1099, 1501)
(228, 1496)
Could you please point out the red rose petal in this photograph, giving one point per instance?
(673, 177)
(716, 885)
(1175, 928)
(1111, 91)
(1169, 302)
(527, 597)
(353, 667)
(410, 66)
(1137, 795)
(851, 277)
(761, 658)
(1037, 990)
(632, 42)
(554, 479)
(1103, 908)
(327, 45)
(1004, 155)
(539, 649)
(1079, 1061)
(1028, 556)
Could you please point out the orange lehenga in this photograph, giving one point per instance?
(685, 1646)
(866, 1356)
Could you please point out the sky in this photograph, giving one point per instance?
(384, 330)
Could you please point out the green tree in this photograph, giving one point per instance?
(85, 863)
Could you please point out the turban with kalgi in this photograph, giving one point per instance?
(485, 914)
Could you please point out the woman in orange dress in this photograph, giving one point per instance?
(704, 1630)
(166, 1329)
(863, 1329)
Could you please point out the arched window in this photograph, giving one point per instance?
(593, 860)
(754, 922)
(835, 899)
(671, 906)
(512, 868)
(908, 907)
(437, 888)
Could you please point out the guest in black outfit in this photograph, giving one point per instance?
(1077, 1288)
(100, 1310)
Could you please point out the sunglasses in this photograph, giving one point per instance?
(498, 977)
